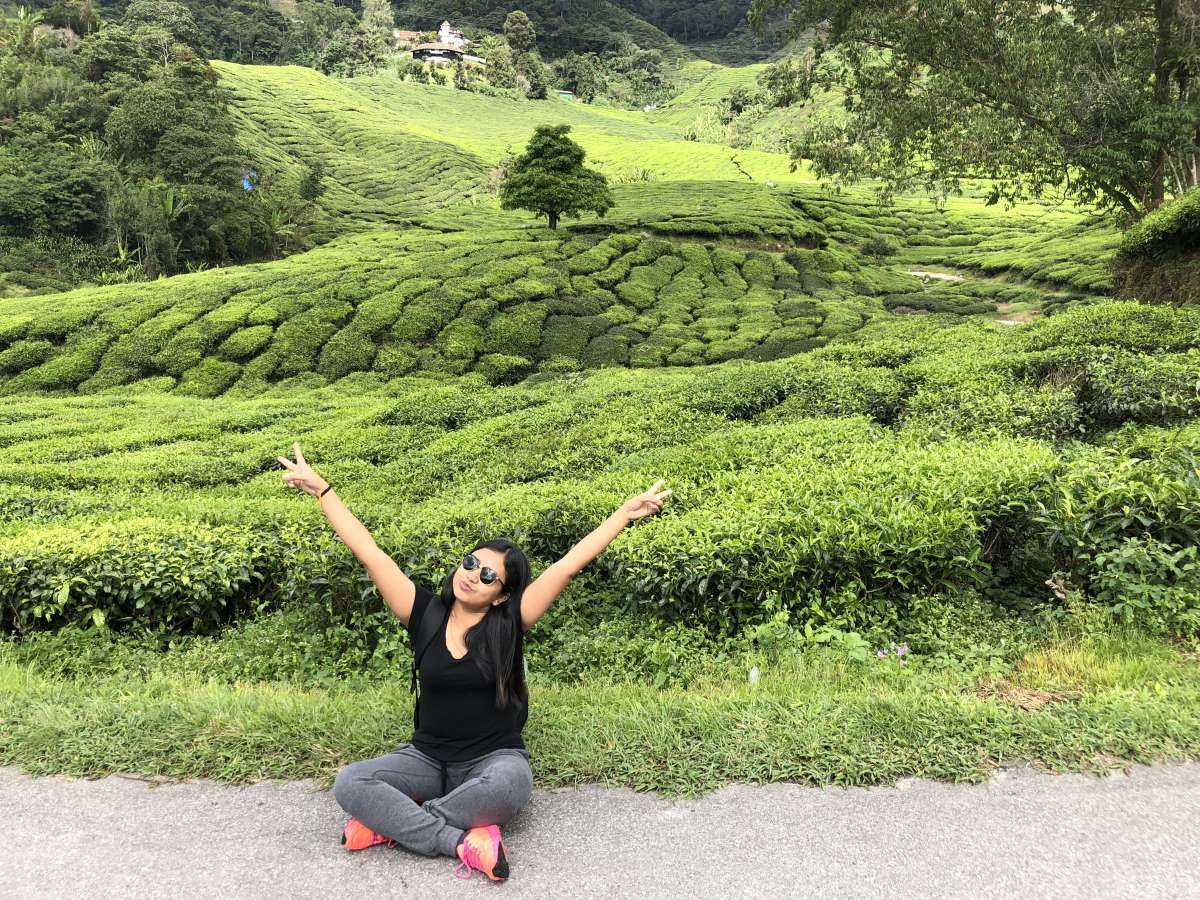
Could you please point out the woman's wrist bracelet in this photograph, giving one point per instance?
(328, 487)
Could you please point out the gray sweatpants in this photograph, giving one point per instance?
(426, 805)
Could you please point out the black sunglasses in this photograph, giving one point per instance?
(487, 574)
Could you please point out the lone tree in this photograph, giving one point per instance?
(1097, 98)
(549, 178)
(519, 33)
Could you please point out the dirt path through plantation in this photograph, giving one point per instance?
(1024, 834)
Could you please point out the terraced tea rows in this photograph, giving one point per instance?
(500, 302)
(394, 156)
(378, 171)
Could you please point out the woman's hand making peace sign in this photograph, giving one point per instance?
(300, 475)
(646, 503)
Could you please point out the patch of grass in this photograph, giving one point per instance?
(814, 719)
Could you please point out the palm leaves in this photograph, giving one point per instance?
(21, 35)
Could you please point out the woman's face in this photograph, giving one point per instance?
(471, 591)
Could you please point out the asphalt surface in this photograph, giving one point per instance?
(1025, 834)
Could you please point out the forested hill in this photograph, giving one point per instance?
(563, 26)
(291, 31)
(246, 31)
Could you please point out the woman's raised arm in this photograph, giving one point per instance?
(395, 587)
(546, 588)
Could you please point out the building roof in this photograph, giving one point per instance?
(405, 35)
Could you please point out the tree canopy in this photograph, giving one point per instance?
(378, 15)
(549, 178)
(1096, 98)
(518, 31)
(123, 139)
(244, 31)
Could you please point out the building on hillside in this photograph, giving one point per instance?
(439, 53)
(402, 39)
(451, 36)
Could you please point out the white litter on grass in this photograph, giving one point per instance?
(938, 276)
(754, 675)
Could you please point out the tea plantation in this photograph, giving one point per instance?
(865, 452)
(919, 457)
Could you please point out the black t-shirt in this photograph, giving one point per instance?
(458, 719)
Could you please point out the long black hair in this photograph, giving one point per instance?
(496, 643)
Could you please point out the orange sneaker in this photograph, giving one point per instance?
(481, 848)
(357, 836)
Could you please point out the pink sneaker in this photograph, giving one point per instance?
(481, 848)
(357, 836)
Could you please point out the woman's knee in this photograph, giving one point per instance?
(348, 784)
(512, 780)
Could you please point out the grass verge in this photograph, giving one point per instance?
(1074, 704)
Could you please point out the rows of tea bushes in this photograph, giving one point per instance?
(502, 303)
(376, 171)
(1077, 256)
(912, 457)
(762, 217)
(1042, 243)
(622, 144)
(396, 151)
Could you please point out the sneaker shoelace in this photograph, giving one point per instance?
(470, 860)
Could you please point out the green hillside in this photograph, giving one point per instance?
(681, 273)
(394, 151)
(696, 110)
(563, 26)
(710, 254)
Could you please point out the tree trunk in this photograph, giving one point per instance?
(553, 216)
(1165, 12)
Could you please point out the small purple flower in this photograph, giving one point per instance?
(902, 650)
(881, 653)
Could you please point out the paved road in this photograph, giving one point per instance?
(1024, 834)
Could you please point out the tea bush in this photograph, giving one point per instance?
(138, 572)
(1113, 520)
(1174, 226)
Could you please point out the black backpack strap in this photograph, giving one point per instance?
(427, 630)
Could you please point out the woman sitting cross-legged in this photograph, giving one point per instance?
(466, 771)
